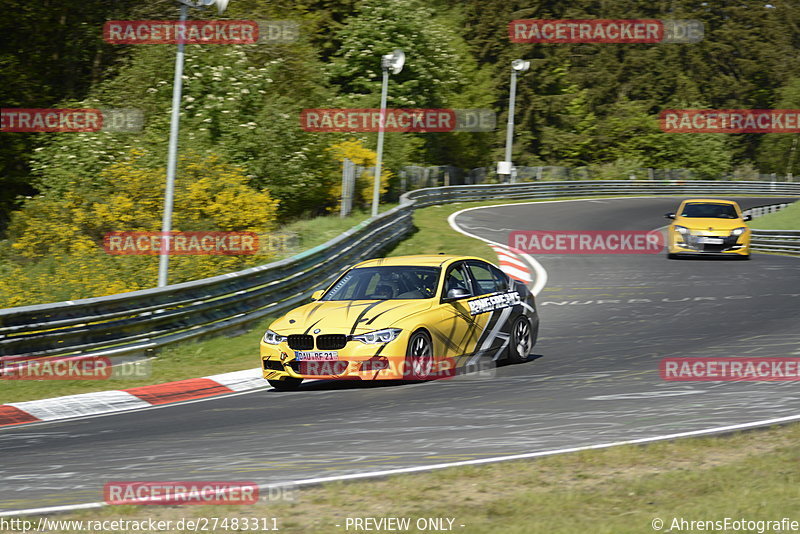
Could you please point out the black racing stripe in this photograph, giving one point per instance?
(350, 304)
(453, 327)
(384, 311)
(488, 328)
(473, 326)
(380, 349)
(314, 309)
(362, 314)
(313, 325)
(446, 340)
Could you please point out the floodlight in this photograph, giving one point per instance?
(520, 65)
(222, 5)
(394, 61)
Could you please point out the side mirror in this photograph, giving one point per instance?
(457, 293)
(669, 215)
(316, 295)
(747, 218)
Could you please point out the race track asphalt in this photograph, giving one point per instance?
(606, 322)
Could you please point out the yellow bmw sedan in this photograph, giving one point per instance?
(708, 227)
(403, 318)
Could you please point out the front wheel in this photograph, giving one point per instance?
(419, 357)
(289, 383)
(520, 344)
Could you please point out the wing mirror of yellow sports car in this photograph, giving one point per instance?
(317, 294)
(457, 293)
(747, 218)
(669, 215)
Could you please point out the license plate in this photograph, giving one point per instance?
(316, 356)
(710, 240)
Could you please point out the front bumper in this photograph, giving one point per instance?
(691, 244)
(355, 361)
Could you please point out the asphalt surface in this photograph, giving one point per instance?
(606, 322)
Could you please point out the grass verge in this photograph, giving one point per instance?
(786, 219)
(752, 476)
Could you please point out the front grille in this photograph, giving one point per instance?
(301, 342)
(273, 365)
(727, 243)
(319, 368)
(331, 341)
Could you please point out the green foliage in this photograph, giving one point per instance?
(593, 106)
(779, 152)
(56, 240)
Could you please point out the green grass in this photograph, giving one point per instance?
(786, 219)
(433, 234)
(314, 232)
(621, 490)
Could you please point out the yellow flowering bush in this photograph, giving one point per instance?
(354, 150)
(56, 240)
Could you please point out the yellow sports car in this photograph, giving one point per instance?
(708, 227)
(403, 318)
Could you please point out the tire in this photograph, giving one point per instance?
(419, 357)
(520, 343)
(744, 258)
(671, 256)
(289, 383)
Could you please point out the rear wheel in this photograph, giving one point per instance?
(419, 357)
(289, 383)
(520, 344)
(671, 256)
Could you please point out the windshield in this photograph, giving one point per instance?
(714, 211)
(385, 283)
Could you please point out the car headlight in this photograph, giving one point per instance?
(273, 338)
(738, 231)
(378, 336)
(681, 229)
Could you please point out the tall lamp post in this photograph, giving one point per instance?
(390, 62)
(504, 167)
(174, 127)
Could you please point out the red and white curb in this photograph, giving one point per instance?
(512, 264)
(105, 402)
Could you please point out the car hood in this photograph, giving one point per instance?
(346, 317)
(704, 223)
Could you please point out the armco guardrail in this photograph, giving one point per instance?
(143, 320)
(140, 321)
(760, 211)
(784, 241)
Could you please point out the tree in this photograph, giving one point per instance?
(776, 149)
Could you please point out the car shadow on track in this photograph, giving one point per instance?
(708, 258)
(463, 374)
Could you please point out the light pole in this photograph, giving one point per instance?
(504, 167)
(174, 127)
(393, 62)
